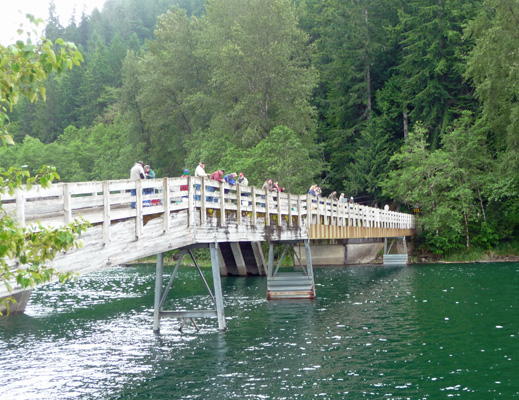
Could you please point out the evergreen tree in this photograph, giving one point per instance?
(430, 73)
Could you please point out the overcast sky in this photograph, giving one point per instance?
(12, 13)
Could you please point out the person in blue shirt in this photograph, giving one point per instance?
(230, 178)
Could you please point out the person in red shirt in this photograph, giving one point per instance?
(218, 175)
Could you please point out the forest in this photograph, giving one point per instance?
(411, 103)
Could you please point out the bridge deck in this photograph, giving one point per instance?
(170, 213)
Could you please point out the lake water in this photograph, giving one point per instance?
(373, 332)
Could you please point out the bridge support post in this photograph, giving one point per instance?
(217, 282)
(270, 266)
(398, 258)
(158, 289)
(290, 285)
(308, 253)
(217, 298)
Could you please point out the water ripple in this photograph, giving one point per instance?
(373, 332)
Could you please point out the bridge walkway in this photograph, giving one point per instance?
(175, 213)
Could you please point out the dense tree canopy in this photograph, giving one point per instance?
(408, 102)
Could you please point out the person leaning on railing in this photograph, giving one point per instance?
(244, 182)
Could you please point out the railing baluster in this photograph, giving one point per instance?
(222, 204)
(254, 216)
(167, 203)
(67, 206)
(20, 206)
(238, 205)
(106, 212)
(138, 208)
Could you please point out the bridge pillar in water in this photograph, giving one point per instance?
(217, 297)
(400, 256)
(21, 298)
(290, 285)
(342, 251)
(241, 258)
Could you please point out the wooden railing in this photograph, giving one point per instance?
(108, 201)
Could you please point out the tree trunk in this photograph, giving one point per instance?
(482, 207)
(405, 118)
(467, 236)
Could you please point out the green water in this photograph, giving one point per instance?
(417, 332)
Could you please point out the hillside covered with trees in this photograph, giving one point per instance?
(412, 103)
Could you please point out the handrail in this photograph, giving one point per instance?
(114, 199)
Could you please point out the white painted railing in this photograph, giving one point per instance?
(108, 201)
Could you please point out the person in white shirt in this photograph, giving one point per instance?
(200, 170)
(137, 172)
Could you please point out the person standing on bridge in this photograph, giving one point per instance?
(218, 175)
(333, 196)
(150, 174)
(242, 180)
(267, 185)
(185, 187)
(137, 172)
(199, 172)
(278, 188)
(315, 190)
(230, 178)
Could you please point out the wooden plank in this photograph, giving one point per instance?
(190, 206)
(280, 218)
(267, 207)
(20, 206)
(254, 214)
(299, 215)
(203, 209)
(238, 204)
(106, 212)
(138, 206)
(166, 204)
(290, 222)
(222, 205)
(67, 206)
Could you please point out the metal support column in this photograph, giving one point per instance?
(184, 315)
(158, 289)
(397, 258)
(270, 267)
(309, 268)
(290, 285)
(217, 287)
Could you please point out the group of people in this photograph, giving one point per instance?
(141, 171)
(219, 175)
(315, 190)
(272, 186)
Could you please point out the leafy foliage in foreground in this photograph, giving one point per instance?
(23, 67)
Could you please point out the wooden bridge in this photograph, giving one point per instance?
(135, 219)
